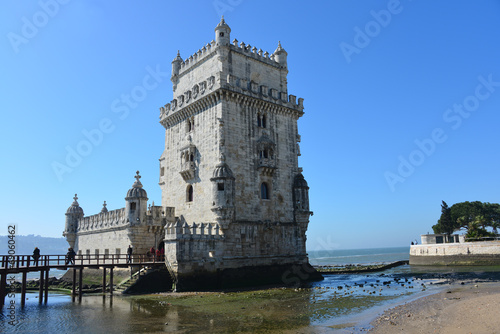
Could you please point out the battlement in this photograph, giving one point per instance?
(234, 84)
(103, 220)
(180, 230)
(211, 48)
(155, 215)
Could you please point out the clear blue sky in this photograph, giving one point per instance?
(402, 105)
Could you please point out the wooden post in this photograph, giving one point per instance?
(40, 288)
(80, 285)
(46, 286)
(73, 290)
(3, 286)
(103, 280)
(23, 289)
(111, 280)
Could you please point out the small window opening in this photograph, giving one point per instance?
(264, 191)
(220, 186)
(189, 193)
(132, 206)
(191, 157)
(221, 34)
(162, 171)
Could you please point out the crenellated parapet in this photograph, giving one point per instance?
(252, 95)
(103, 221)
(184, 230)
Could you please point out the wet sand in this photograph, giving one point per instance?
(467, 308)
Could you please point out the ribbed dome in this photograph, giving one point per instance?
(222, 24)
(222, 171)
(75, 207)
(299, 181)
(136, 191)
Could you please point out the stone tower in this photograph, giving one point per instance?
(230, 168)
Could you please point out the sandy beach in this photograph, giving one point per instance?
(468, 308)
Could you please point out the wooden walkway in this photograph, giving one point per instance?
(23, 264)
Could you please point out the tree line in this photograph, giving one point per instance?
(478, 219)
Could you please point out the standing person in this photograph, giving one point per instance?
(153, 253)
(36, 256)
(70, 256)
(129, 254)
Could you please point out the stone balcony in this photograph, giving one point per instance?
(188, 170)
(267, 166)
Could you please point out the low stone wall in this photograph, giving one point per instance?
(465, 254)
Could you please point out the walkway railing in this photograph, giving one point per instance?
(14, 264)
(23, 262)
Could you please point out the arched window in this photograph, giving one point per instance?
(264, 191)
(191, 157)
(261, 120)
(189, 193)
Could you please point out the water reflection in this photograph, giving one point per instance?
(308, 310)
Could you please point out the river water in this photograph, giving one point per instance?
(339, 301)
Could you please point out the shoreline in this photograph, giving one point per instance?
(470, 307)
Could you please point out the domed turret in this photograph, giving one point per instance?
(222, 33)
(104, 208)
(136, 202)
(75, 207)
(223, 193)
(300, 194)
(136, 191)
(73, 216)
(280, 55)
(176, 65)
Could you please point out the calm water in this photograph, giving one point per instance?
(338, 301)
(359, 256)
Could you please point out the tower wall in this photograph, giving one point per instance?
(231, 108)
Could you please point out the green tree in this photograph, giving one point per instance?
(445, 223)
(475, 217)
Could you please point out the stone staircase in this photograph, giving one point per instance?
(124, 285)
(147, 280)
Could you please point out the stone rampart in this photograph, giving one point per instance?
(467, 253)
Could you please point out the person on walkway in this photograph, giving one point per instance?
(36, 256)
(162, 254)
(70, 256)
(152, 251)
(129, 254)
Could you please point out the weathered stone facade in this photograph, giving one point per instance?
(111, 232)
(230, 170)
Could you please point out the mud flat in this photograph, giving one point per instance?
(461, 307)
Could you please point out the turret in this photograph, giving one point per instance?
(136, 202)
(222, 33)
(176, 65)
(223, 193)
(104, 208)
(73, 216)
(300, 194)
(280, 55)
